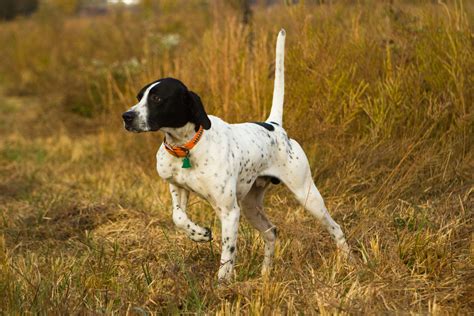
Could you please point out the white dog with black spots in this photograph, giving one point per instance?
(229, 165)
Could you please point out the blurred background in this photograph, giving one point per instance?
(379, 94)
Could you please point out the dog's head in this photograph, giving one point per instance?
(165, 103)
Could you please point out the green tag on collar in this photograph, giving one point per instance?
(186, 163)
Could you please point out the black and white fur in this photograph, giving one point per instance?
(232, 165)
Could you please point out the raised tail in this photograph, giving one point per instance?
(276, 113)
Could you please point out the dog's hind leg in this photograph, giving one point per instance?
(252, 208)
(179, 197)
(295, 172)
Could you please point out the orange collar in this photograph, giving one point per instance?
(183, 151)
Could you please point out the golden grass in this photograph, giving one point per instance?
(380, 96)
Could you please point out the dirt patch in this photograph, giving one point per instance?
(60, 224)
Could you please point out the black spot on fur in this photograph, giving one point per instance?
(275, 231)
(275, 180)
(267, 126)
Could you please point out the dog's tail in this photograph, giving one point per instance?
(276, 113)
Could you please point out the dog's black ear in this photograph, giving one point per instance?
(197, 109)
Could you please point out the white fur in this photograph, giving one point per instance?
(232, 166)
(276, 114)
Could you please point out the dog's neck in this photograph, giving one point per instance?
(181, 135)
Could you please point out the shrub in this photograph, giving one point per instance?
(9, 9)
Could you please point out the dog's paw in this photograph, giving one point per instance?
(208, 233)
(266, 270)
(201, 236)
(345, 253)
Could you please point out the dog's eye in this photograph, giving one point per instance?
(155, 98)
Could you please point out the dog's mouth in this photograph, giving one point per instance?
(132, 128)
(139, 129)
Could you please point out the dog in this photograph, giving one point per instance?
(229, 165)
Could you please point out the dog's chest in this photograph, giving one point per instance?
(170, 168)
(198, 178)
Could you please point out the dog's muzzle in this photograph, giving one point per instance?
(128, 119)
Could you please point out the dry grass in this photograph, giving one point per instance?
(380, 96)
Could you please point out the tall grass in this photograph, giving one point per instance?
(380, 96)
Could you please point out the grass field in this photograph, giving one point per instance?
(379, 95)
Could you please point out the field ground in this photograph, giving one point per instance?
(381, 102)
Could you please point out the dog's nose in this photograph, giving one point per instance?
(128, 116)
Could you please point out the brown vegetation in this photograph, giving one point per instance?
(379, 95)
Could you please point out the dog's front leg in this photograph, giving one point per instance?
(230, 223)
(179, 197)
